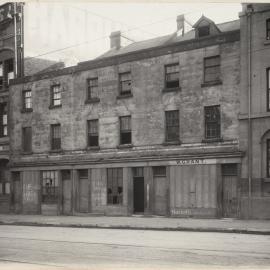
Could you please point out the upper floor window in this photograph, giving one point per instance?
(125, 130)
(268, 158)
(56, 95)
(204, 31)
(268, 88)
(6, 72)
(56, 137)
(27, 139)
(212, 69)
(92, 132)
(115, 186)
(27, 100)
(172, 126)
(212, 122)
(172, 76)
(268, 29)
(125, 83)
(3, 120)
(92, 88)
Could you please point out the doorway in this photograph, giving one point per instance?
(138, 190)
(17, 192)
(66, 192)
(83, 191)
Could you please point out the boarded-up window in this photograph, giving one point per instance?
(92, 88)
(212, 69)
(172, 76)
(50, 186)
(92, 132)
(268, 157)
(56, 137)
(56, 95)
(27, 139)
(115, 186)
(159, 171)
(125, 130)
(125, 83)
(172, 125)
(268, 29)
(3, 120)
(212, 122)
(27, 99)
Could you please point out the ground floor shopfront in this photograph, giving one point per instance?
(190, 187)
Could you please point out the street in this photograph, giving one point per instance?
(26, 247)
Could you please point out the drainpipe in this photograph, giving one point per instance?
(15, 40)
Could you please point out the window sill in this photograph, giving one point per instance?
(122, 146)
(56, 151)
(125, 96)
(92, 100)
(55, 106)
(212, 140)
(26, 110)
(174, 89)
(172, 143)
(207, 84)
(26, 153)
(266, 42)
(93, 148)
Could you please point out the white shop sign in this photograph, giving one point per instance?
(196, 161)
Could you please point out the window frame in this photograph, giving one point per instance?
(114, 198)
(268, 158)
(204, 27)
(53, 143)
(218, 124)
(120, 81)
(268, 29)
(53, 99)
(3, 115)
(50, 197)
(218, 80)
(125, 131)
(166, 81)
(90, 134)
(167, 126)
(89, 97)
(268, 89)
(24, 145)
(24, 98)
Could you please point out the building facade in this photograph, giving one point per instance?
(254, 118)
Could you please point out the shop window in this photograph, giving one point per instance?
(172, 76)
(92, 88)
(204, 31)
(56, 137)
(92, 133)
(268, 88)
(50, 185)
(125, 130)
(212, 69)
(268, 158)
(27, 139)
(125, 83)
(268, 29)
(138, 172)
(115, 186)
(56, 96)
(172, 126)
(3, 120)
(212, 122)
(159, 171)
(27, 100)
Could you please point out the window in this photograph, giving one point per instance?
(1, 76)
(115, 186)
(125, 130)
(55, 95)
(4, 185)
(56, 137)
(172, 126)
(92, 132)
(204, 31)
(172, 76)
(268, 29)
(83, 174)
(27, 99)
(27, 139)
(212, 122)
(92, 88)
(268, 157)
(6, 72)
(50, 184)
(125, 83)
(159, 171)
(212, 69)
(268, 88)
(3, 120)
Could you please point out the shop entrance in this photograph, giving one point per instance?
(138, 190)
(229, 191)
(66, 192)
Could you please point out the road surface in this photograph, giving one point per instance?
(25, 247)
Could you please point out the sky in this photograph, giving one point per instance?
(72, 31)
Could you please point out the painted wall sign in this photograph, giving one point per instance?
(196, 161)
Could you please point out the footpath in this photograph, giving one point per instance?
(141, 223)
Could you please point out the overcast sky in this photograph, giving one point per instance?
(85, 27)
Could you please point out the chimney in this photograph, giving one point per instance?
(181, 24)
(115, 40)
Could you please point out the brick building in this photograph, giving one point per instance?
(148, 128)
(254, 119)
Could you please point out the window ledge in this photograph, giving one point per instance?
(92, 100)
(26, 110)
(93, 148)
(122, 146)
(56, 151)
(124, 96)
(172, 143)
(207, 84)
(173, 89)
(212, 140)
(55, 106)
(26, 153)
(267, 42)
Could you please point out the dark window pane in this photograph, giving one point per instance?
(92, 88)
(93, 133)
(229, 169)
(125, 130)
(212, 69)
(125, 83)
(27, 139)
(212, 122)
(56, 136)
(268, 158)
(138, 172)
(172, 125)
(172, 76)
(50, 186)
(83, 173)
(3, 119)
(204, 31)
(268, 29)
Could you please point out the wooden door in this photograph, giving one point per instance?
(66, 188)
(17, 194)
(160, 200)
(138, 189)
(83, 193)
(230, 198)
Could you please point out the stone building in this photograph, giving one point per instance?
(150, 128)
(254, 119)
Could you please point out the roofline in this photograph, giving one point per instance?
(186, 45)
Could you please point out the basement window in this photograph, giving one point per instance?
(115, 186)
(172, 76)
(125, 130)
